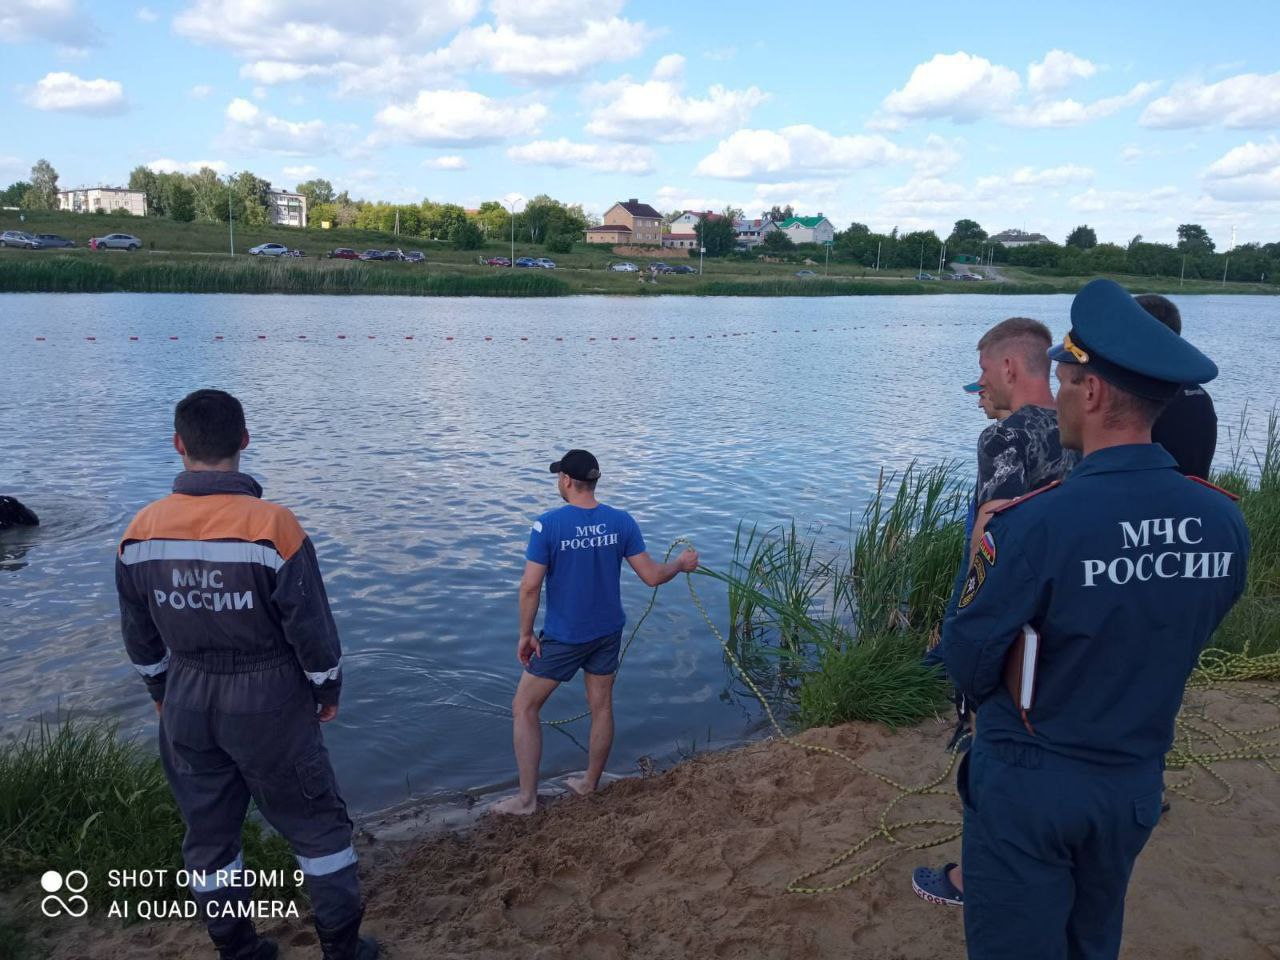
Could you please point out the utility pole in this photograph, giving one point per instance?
(921, 268)
(942, 257)
(1182, 276)
(1224, 270)
(701, 252)
(879, 243)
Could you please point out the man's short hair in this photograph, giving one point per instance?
(211, 425)
(1029, 338)
(1163, 309)
(1123, 404)
(583, 486)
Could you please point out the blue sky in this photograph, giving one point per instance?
(1132, 118)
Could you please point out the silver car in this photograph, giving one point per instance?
(269, 250)
(19, 238)
(115, 241)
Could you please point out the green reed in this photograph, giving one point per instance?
(75, 796)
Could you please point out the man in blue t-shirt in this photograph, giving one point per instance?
(578, 550)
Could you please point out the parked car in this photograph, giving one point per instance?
(294, 253)
(683, 268)
(343, 253)
(624, 268)
(371, 255)
(970, 276)
(115, 241)
(269, 250)
(394, 254)
(659, 267)
(802, 274)
(51, 241)
(19, 238)
(498, 262)
(545, 264)
(526, 262)
(925, 276)
(415, 256)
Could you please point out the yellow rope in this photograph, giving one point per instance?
(1215, 668)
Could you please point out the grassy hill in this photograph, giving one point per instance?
(195, 257)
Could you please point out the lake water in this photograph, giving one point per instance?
(417, 466)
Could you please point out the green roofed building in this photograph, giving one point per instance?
(809, 229)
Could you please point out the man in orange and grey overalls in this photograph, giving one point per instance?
(224, 614)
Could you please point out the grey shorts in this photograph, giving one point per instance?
(560, 661)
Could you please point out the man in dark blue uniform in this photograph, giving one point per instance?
(1124, 570)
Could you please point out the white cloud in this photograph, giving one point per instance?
(201, 90)
(57, 21)
(1127, 201)
(249, 126)
(1031, 177)
(167, 165)
(1072, 113)
(1250, 172)
(459, 118)
(965, 88)
(1058, 69)
(658, 110)
(956, 85)
(606, 158)
(1132, 153)
(146, 15)
(804, 151)
(321, 32)
(397, 49)
(451, 163)
(502, 48)
(304, 172)
(1249, 100)
(67, 92)
(11, 166)
(545, 17)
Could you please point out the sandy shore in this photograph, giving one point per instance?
(693, 863)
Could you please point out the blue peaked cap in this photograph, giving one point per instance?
(1127, 346)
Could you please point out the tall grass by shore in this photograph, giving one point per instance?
(75, 796)
(141, 274)
(841, 638)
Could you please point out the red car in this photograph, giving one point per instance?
(343, 253)
(498, 262)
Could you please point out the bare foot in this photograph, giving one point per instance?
(581, 786)
(515, 806)
(956, 878)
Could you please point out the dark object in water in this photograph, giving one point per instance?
(14, 514)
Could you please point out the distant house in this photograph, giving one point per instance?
(643, 223)
(287, 209)
(1019, 238)
(680, 233)
(809, 229)
(107, 199)
(751, 233)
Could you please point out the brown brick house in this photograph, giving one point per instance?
(642, 223)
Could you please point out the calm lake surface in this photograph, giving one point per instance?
(418, 465)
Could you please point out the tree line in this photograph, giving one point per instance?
(207, 197)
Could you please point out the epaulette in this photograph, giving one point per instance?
(1213, 486)
(1024, 498)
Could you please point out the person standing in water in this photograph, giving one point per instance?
(577, 550)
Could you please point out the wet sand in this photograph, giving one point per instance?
(693, 862)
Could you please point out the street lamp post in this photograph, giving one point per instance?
(701, 253)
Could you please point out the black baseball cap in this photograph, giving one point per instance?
(578, 464)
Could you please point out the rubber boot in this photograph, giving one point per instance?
(345, 942)
(243, 943)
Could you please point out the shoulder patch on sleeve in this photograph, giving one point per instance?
(1025, 497)
(973, 582)
(987, 547)
(1213, 486)
(537, 526)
